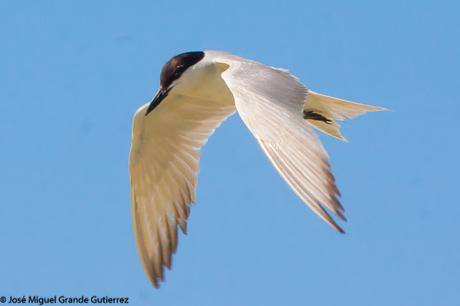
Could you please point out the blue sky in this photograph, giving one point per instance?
(72, 74)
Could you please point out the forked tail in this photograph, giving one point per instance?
(323, 112)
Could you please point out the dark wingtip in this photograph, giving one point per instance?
(155, 283)
(341, 215)
(340, 230)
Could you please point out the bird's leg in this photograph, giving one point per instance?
(315, 116)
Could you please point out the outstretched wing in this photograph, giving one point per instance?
(270, 102)
(164, 162)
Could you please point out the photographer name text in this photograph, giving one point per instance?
(62, 299)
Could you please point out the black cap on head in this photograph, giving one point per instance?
(171, 71)
(174, 68)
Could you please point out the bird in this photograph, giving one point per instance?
(198, 91)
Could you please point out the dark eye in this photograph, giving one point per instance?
(179, 70)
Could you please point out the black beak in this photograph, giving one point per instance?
(161, 94)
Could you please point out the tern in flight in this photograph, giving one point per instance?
(198, 91)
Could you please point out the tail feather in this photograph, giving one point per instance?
(333, 109)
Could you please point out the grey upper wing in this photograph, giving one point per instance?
(270, 102)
